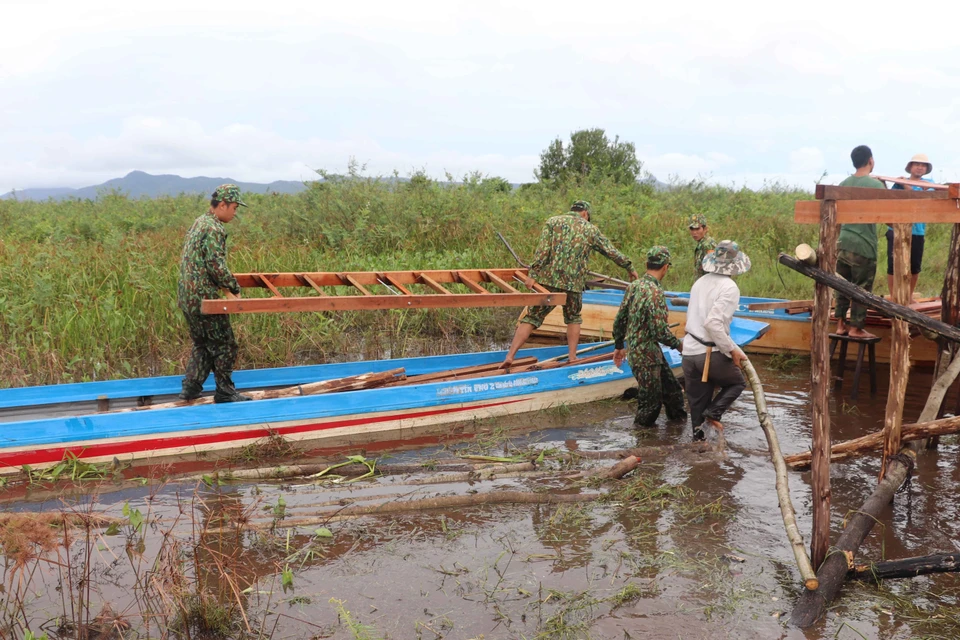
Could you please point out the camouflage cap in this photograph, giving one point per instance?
(228, 193)
(580, 205)
(727, 260)
(696, 221)
(658, 255)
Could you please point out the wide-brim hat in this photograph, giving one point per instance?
(920, 158)
(727, 260)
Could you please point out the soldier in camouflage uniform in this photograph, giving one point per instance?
(641, 323)
(203, 272)
(705, 244)
(560, 265)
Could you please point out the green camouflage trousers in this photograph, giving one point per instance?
(860, 271)
(214, 348)
(657, 387)
(571, 309)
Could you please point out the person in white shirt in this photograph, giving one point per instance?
(713, 300)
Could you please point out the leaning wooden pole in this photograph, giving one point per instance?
(885, 308)
(900, 349)
(820, 385)
(949, 309)
(783, 489)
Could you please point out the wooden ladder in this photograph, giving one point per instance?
(384, 290)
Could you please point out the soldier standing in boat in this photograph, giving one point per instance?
(203, 272)
(713, 300)
(560, 265)
(638, 331)
(705, 244)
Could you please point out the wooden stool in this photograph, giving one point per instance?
(862, 345)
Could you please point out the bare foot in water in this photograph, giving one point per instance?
(860, 333)
(716, 424)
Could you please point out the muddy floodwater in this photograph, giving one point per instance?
(691, 546)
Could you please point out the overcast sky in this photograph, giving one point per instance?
(737, 93)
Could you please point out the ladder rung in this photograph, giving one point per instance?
(349, 278)
(473, 286)
(269, 285)
(500, 282)
(304, 277)
(393, 282)
(433, 284)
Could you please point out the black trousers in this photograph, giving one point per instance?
(700, 395)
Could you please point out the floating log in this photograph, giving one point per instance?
(349, 383)
(783, 489)
(908, 567)
(883, 307)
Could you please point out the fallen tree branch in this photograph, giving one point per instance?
(783, 489)
(646, 452)
(874, 441)
(908, 567)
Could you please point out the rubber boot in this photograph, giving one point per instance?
(226, 392)
(191, 390)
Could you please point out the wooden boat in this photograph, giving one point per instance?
(97, 422)
(789, 331)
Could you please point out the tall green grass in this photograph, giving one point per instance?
(88, 288)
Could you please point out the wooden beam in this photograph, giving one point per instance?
(829, 192)
(900, 349)
(308, 280)
(886, 211)
(820, 385)
(473, 286)
(784, 304)
(358, 303)
(500, 282)
(433, 284)
(269, 285)
(884, 307)
(909, 182)
(352, 280)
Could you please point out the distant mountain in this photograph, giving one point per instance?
(137, 184)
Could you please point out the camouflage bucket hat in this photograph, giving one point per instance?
(658, 255)
(580, 205)
(229, 193)
(727, 260)
(696, 221)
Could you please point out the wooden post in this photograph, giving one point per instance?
(949, 311)
(900, 349)
(820, 385)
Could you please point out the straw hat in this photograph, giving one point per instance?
(920, 158)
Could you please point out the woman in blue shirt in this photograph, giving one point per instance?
(918, 167)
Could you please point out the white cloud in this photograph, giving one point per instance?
(806, 160)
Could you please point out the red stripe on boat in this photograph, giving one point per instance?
(57, 454)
